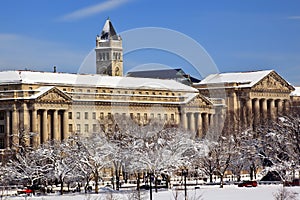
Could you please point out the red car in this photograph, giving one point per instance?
(25, 191)
(248, 184)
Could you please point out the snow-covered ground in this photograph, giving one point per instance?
(231, 192)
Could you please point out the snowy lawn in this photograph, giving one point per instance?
(231, 192)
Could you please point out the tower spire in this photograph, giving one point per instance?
(109, 52)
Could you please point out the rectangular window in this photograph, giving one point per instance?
(101, 115)
(78, 128)
(70, 115)
(70, 128)
(109, 115)
(172, 117)
(131, 115)
(86, 115)
(159, 116)
(166, 117)
(78, 115)
(138, 116)
(2, 114)
(86, 128)
(94, 115)
(152, 115)
(145, 116)
(1, 128)
(2, 143)
(94, 127)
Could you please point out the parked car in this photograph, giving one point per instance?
(27, 191)
(248, 184)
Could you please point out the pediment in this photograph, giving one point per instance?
(273, 82)
(54, 95)
(199, 101)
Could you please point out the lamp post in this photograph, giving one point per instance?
(185, 173)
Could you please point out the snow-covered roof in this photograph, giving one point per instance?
(296, 92)
(91, 80)
(244, 79)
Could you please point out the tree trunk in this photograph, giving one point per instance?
(61, 185)
(96, 181)
(138, 182)
(211, 178)
(221, 181)
(167, 181)
(117, 178)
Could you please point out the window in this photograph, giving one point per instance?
(1, 128)
(70, 128)
(152, 116)
(172, 117)
(70, 115)
(78, 115)
(2, 143)
(159, 116)
(131, 115)
(78, 128)
(72, 90)
(145, 116)
(86, 115)
(109, 115)
(64, 89)
(101, 115)
(86, 128)
(166, 117)
(30, 88)
(80, 90)
(2, 115)
(94, 127)
(94, 115)
(88, 91)
(96, 91)
(138, 116)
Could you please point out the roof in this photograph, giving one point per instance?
(108, 31)
(296, 92)
(175, 74)
(244, 79)
(88, 80)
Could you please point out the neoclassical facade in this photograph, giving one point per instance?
(40, 106)
(251, 97)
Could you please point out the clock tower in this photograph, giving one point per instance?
(109, 51)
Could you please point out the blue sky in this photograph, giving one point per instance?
(238, 35)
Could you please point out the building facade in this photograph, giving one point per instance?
(251, 97)
(40, 106)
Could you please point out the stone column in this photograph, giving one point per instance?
(265, 109)
(55, 126)
(256, 112)
(184, 120)
(177, 118)
(286, 107)
(199, 124)
(7, 129)
(65, 125)
(205, 123)
(192, 122)
(249, 115)
(36, 138)
(45, 136)
(280, 107)
(272, 109)
(15, 127)
(25, 126)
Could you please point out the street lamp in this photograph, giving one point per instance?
(185, 173)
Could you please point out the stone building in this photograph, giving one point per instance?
(295, 100)
(42, 106)
(250, 97)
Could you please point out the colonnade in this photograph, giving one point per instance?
(259, 109)
(201, 122)
(35, 125)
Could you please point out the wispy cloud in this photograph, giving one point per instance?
(294, 17)
(92, 10)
